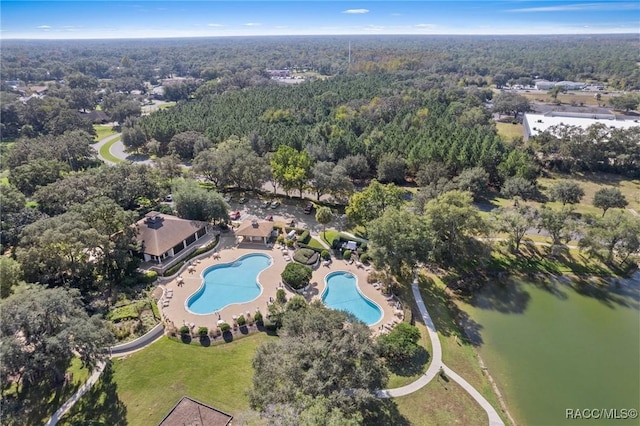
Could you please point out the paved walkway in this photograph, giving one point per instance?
(76, 396)
(436, 364)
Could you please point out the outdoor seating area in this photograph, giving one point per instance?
(177, 291)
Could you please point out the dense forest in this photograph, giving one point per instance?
(478, 59)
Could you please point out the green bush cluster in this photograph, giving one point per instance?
(127, 312)
(306, 256)
(149, 277)
(365, 258)
(241, 320)
(296, 275)
(203, 332)
(258, 318)
(224, 327)
(184, 330)
(346, 254)
(325, 254)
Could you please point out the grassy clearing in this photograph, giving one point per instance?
(103, 131)
(147, 384)
(105, 151)
(534, 259)
(440, 403)
(592, 182)
(569, 98)
(166, 105)
(509, 131)
(313, 242)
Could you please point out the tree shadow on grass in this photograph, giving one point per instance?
(205, 341)
(386, 412)
(412, 366)
(36, 403)
(448, 319)
(100, 405)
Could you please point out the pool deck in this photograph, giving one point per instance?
(177, 313)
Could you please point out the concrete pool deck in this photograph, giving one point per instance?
(177, 314)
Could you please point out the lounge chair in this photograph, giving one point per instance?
(165, 303)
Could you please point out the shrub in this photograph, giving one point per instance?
(304, 237)
(224, 327)
(149, 277)
(203, 332)
(184, 330)
(280, 239)
(155, 310)
(346, 255)
(281, 296)
(325, 254)
(336, 243)
(258, 318)
(365, 258)
(401, 344)
(305, 256)
(296, 275)
(289, 243)
(241, 320)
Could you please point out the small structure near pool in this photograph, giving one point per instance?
(253, 230)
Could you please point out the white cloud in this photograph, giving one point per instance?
(44, 27)
(215, 25)
(425, 26)
(355, 11)
(578, 7)
(252, 24)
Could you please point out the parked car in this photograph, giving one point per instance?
(269, 218)
(242, 200)
(308, 208)
(275, 204)
(235, 215)
(265, 204)
(169, 198)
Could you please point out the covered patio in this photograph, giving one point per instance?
(254, 231)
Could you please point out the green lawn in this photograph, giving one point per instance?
(458, 352)
(147, 384)
(509, 131)
(105, 151)
(166, 105)
(103, 131)
(313, 242)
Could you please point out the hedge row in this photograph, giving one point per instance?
(175, 268)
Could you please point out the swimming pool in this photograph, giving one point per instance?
(229, 283)
(342, 293)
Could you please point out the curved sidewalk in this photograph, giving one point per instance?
(436, 364)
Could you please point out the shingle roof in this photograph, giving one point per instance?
(189, 412)
(160, 232)
(254, 229)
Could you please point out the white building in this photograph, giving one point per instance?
(569, 85)
(535, 124)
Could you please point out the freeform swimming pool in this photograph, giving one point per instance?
(342, 293)
(229, 283)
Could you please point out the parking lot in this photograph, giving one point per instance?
(288, 209)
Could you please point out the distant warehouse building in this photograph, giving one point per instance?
(569, 85)
(535, 124)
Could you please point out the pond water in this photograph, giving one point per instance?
(551, 347)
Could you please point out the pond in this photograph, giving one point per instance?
(551, 346)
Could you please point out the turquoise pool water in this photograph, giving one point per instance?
(229, 283)
(342, 293)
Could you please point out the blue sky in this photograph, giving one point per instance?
(145, 19)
